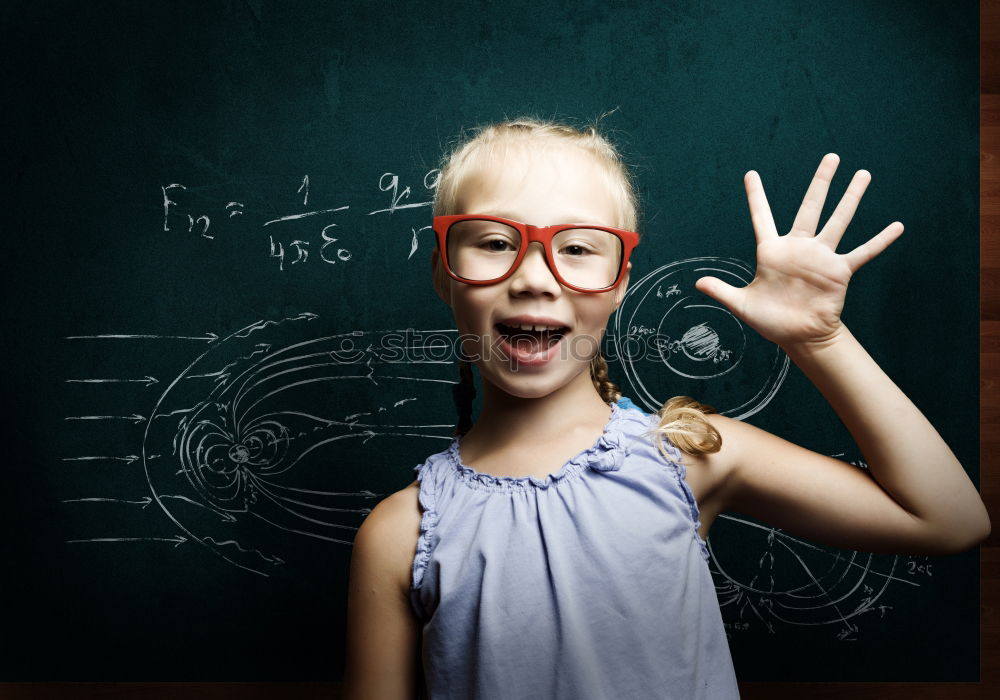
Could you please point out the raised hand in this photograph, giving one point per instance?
(797, 294)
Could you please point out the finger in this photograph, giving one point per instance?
(807, 218)
(760, 212)
(720, 291)
(835, 226)
(867, 251)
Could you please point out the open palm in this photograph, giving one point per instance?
(798, 291)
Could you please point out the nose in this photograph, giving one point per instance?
(533, 274)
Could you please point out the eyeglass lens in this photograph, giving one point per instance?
(481, 250)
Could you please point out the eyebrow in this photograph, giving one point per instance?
(566, 219)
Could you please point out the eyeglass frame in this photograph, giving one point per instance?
(542, 234)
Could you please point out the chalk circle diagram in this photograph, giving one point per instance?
(665, 329)
(237, 458)
(668, 334)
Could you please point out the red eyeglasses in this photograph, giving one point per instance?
(481, 249)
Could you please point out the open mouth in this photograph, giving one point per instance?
(530, 341)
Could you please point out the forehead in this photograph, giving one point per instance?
(538, 183)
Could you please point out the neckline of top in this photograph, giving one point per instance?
(604, 455)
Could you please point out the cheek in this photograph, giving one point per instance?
(471, 310)
(593, 321)
(595, 316)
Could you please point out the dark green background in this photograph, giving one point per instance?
(108, 103)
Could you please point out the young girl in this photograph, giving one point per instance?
(556, 548)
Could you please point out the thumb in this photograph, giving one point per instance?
(718, 290)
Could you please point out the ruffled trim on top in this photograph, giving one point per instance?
(427, 522)
(606, 454)
(680, 473)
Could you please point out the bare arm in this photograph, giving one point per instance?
(905, 454)
(917, 497)
(383, 633)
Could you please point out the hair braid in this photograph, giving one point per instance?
(682, 420)
(684, 423)
(463, 393)
(608, 390)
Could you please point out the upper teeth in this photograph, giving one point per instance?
(529, 327)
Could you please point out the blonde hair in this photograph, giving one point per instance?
(682, 419)
(491, 143)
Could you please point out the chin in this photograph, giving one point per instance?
(529, 386)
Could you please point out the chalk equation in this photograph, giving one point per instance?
(325, 243)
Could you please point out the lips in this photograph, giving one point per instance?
(529, 347)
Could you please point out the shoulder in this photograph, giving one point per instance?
(712, 475)
(383, 629)
(387, 538)
(396, 515)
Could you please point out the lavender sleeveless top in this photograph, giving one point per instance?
(592, 583)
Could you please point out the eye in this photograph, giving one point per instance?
(501, 249)
(575, 247)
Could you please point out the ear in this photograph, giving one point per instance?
(623, 287)
(442, 283)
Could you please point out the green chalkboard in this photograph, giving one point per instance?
(222, 347)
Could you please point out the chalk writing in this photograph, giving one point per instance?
(288, 252)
